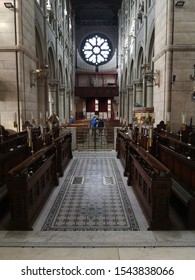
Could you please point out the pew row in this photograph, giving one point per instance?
(64, 151)
(122, 148)
(29, 185)
(151, 182)
(183, 187)
(12, 152)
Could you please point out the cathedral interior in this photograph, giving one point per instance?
(97, 134)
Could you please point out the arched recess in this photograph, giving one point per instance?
(41, 82)
(149, 82)
(67, 95)
(39, 50)
(61, 91)
(125, 97)
(60, 73)
(130, 93)
(151, 51)
(139, 99)
(131, 76)
(52, 91)
(51, 62)
(139, 64)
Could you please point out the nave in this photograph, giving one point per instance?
(93, 210)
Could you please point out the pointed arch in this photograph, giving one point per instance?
(51, 62)
(139, 63)
(151, 50)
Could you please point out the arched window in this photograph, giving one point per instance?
(96, 49)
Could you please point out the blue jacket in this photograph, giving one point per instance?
(93, 122)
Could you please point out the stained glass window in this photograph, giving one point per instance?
(96, 49)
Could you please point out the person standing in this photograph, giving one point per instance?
(100, 126)
(93, 124)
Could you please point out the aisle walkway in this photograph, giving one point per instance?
(93, 214)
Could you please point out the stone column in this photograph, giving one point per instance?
(149, 93)
(138, 94)
(130, 104)
(67, 106)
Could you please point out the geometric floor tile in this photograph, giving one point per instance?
(92, 198)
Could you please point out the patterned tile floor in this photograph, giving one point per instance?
(92, 197)
(36, 242)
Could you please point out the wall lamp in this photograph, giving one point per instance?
(8, 5)
(179, 3)
(145, 66)
(153, 76)
(38, 74)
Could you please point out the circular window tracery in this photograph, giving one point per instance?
(96, 49)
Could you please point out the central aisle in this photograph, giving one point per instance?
(92, 197)
(94, 214)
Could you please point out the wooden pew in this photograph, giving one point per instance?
(64, 151)
(29, 185)
(151, 182)
(13, 141)
(122, 148)
(183, 187)
(12, 152)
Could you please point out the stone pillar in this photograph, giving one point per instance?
(130, 104)
(149, 93)
(62, 103)
(138, 94)
(67, 106)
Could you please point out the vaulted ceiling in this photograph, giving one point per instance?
(96, 12)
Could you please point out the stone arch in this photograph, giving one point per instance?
(140, 62)
(150, 49)
(42, 104)
(131, 74)
(60, 72)
(39, 49)
(51, 62)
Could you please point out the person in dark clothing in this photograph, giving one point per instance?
(100, 125)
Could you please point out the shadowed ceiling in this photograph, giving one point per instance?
(96, 12)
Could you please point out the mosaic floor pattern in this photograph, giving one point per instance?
(92, 198)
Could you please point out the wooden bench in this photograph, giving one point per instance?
(151, 182)
(184, 202)
(183, 187)
(64, 151)
(9, 159)
(122, 148)
(29, 185)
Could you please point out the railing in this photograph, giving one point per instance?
(95, 138)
